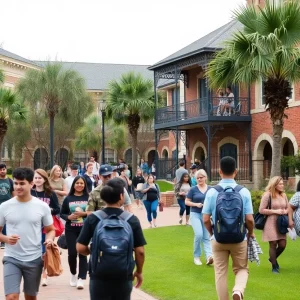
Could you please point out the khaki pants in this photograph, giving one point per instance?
(239, 256)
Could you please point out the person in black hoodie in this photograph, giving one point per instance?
(43, 191)
(73, 210)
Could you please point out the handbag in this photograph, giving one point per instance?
(58, 225)
(161, 206)
(260, 219)
(62, 242)
(52, 262)
(283, 224)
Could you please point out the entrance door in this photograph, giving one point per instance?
(228, 150)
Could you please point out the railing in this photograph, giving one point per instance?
(212, 106)
(166, 168)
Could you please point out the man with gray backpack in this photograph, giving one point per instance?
(230, 207)
(117, 249)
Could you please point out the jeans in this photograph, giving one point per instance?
(4, 230)
(200, 235)
(183, 207)
(71, 237)
(110, 290)
(239, 256)
(151, 208)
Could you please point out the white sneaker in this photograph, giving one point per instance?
(197, 261)
(79, 284)
(73, 280)
(237, 295)
(210, 260)
(44, 282)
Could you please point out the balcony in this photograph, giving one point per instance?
(202, 110)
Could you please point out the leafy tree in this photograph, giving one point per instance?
(11, 111)
(130, 101)
(60, 92)
(266, 49)
(88, 137)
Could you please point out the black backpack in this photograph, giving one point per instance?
(112, 247)
(229, 227)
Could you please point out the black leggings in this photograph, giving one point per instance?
(276, 248)
(71, 238)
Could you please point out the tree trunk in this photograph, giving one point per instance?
(134, 152)
(51, 141)
(1, 143)
(276, 151)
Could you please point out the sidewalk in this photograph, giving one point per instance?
(59, 288)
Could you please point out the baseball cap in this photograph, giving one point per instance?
(105, 170)
(193, 166)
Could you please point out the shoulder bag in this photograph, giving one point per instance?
(260, 219)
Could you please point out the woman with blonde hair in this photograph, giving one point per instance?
(274, 203)
(58, 184)
(195, 199)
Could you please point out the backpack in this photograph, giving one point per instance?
(229, 227)
(112, 247)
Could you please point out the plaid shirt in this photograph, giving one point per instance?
(295, 201)
(253, 250)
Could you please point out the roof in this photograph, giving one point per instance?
(16, 57)
(212, 41)
(98, 75)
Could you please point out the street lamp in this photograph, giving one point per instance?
(102, 106)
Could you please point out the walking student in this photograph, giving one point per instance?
(73, 211)
(24, 216)
(7, 191)
(237, 250)
(114, 288)
(43, 191)
(138, 179)
(181, 190)
(279, 206)
(180, 171)
(195, 200)
(58, 184)
(151, 199)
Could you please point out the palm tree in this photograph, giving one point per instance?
(59, 91)
(88, 137)
(266, 49)
(130, 101)
(11, 110)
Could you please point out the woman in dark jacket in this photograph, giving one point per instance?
(137, 179)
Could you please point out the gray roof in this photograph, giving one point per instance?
(98, 75)
(212, 41)
(16, 57)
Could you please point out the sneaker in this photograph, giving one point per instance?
(73, 280)
(276, 265)
(180, 221)
(2, 246)
(210, 260)
(275, 270)
(79, 284)
(187, 224)
(237, 295)
(197, 261)
(44, 282)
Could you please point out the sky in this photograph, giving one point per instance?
(108, 31)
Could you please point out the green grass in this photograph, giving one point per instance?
(170, 274)
(165, 186)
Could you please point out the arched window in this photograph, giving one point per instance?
(40, 159)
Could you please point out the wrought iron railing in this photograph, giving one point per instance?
(212, 106)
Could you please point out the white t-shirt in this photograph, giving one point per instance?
(69, 180)
(96, 167)
(25, 219)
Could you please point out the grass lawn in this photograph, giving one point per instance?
(170, 274)
(165, 186)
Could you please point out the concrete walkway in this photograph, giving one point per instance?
(59, 288)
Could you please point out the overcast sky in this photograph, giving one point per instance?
(108, 31)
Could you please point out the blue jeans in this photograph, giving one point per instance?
(4, 230)
(200, 235)
(183, 207)
(151, 208)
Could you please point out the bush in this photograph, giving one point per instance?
(9, 171)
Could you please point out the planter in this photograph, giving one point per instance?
(167, 198)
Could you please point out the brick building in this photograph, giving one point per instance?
(97, 77)
(190, 126)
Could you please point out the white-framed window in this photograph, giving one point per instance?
(109, 155)
(81, 155)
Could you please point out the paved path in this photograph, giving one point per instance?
(59, 288)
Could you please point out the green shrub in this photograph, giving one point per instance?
(9, 171)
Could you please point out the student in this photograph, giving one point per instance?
(58, 184)
(24, 216)
(7, 191)
(237, 251)
(113, 194)
(73, 211)
(69, 179)
(180, 171)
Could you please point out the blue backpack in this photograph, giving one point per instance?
(112, 247)
(229, 227)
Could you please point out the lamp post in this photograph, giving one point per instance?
(102, 106)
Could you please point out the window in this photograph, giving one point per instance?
(81, 155)
(203, 89)
(174, 92)
(109, 155)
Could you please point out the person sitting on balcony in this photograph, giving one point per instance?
(229, 105)
(222, 102)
